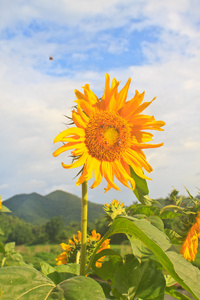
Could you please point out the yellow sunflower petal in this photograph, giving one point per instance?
(70, 131)
(146, 146)
(97, 174)
(123, 95)
(143, 106)
(84, 104)
(79, 150)
(106, 95)
(108, 174)
(87, 171)
(79, 162)
(131, 105)
(90, 96)
(109, 136)
(122, 175)
(141, 136)
(137, 162)
(68, 146)
(78, 121)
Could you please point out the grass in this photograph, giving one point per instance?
(35, 254)
(48, 253)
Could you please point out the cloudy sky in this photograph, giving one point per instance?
(156, 43)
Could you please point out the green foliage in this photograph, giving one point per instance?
(151, 228)
(34, 254)
(77, 288)
(15, 230)
(24, 283)
(21, 234)
(38, 209)
(9, 256)
(144, 281)
(141, 190)
(60, 273)
(176, 294)
(54, 228)
(158, 243)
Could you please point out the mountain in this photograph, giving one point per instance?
(37, 209)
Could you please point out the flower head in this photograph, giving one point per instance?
(190, 245)
(114, 209)
(0, 203)
(72, 251)
(109, 135)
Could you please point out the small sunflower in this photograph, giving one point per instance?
(190, 245)
(109, 135)
(114, 209)
(71, 252)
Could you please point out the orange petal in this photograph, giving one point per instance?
(68, 146)
(123, 95)
(108, 174)
(78, 121)
(79, 162)
(70, 131)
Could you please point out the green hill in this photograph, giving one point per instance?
(37, 209)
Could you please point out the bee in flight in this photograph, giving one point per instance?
(51, 58)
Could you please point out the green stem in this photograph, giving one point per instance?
(83, 229)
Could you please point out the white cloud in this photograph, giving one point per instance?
(33, 103)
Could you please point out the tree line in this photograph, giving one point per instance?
(54, 231)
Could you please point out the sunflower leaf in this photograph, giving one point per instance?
(181, 270)
(24, 283)
(77, 288)
(141, 190)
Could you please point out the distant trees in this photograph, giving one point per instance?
(53, 228)
(21, 234)
(54, 231)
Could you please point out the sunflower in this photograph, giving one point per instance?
(190, 245)
(109, 135)
(72, 250)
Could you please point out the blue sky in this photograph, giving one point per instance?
(155, 43)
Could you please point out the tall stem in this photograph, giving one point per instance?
(83, 228)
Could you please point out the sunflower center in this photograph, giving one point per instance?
(111, 135)
(107, 136)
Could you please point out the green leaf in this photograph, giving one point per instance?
(158, 243)
(167, 214)
(141, 185)
(69, 268)
(169, 280)
(139, 249)
(76, 288)
(10, 248)
(60, 273)
(176, 294)
(144, 210)
(108, 252)
(2, 249)
(187, 272)
(143, 281)
(15, 259)
(157, 222)
(174, 237)
(46, 268)
(24, 284)
(1, 232)
(108, 268)
(107, 289)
